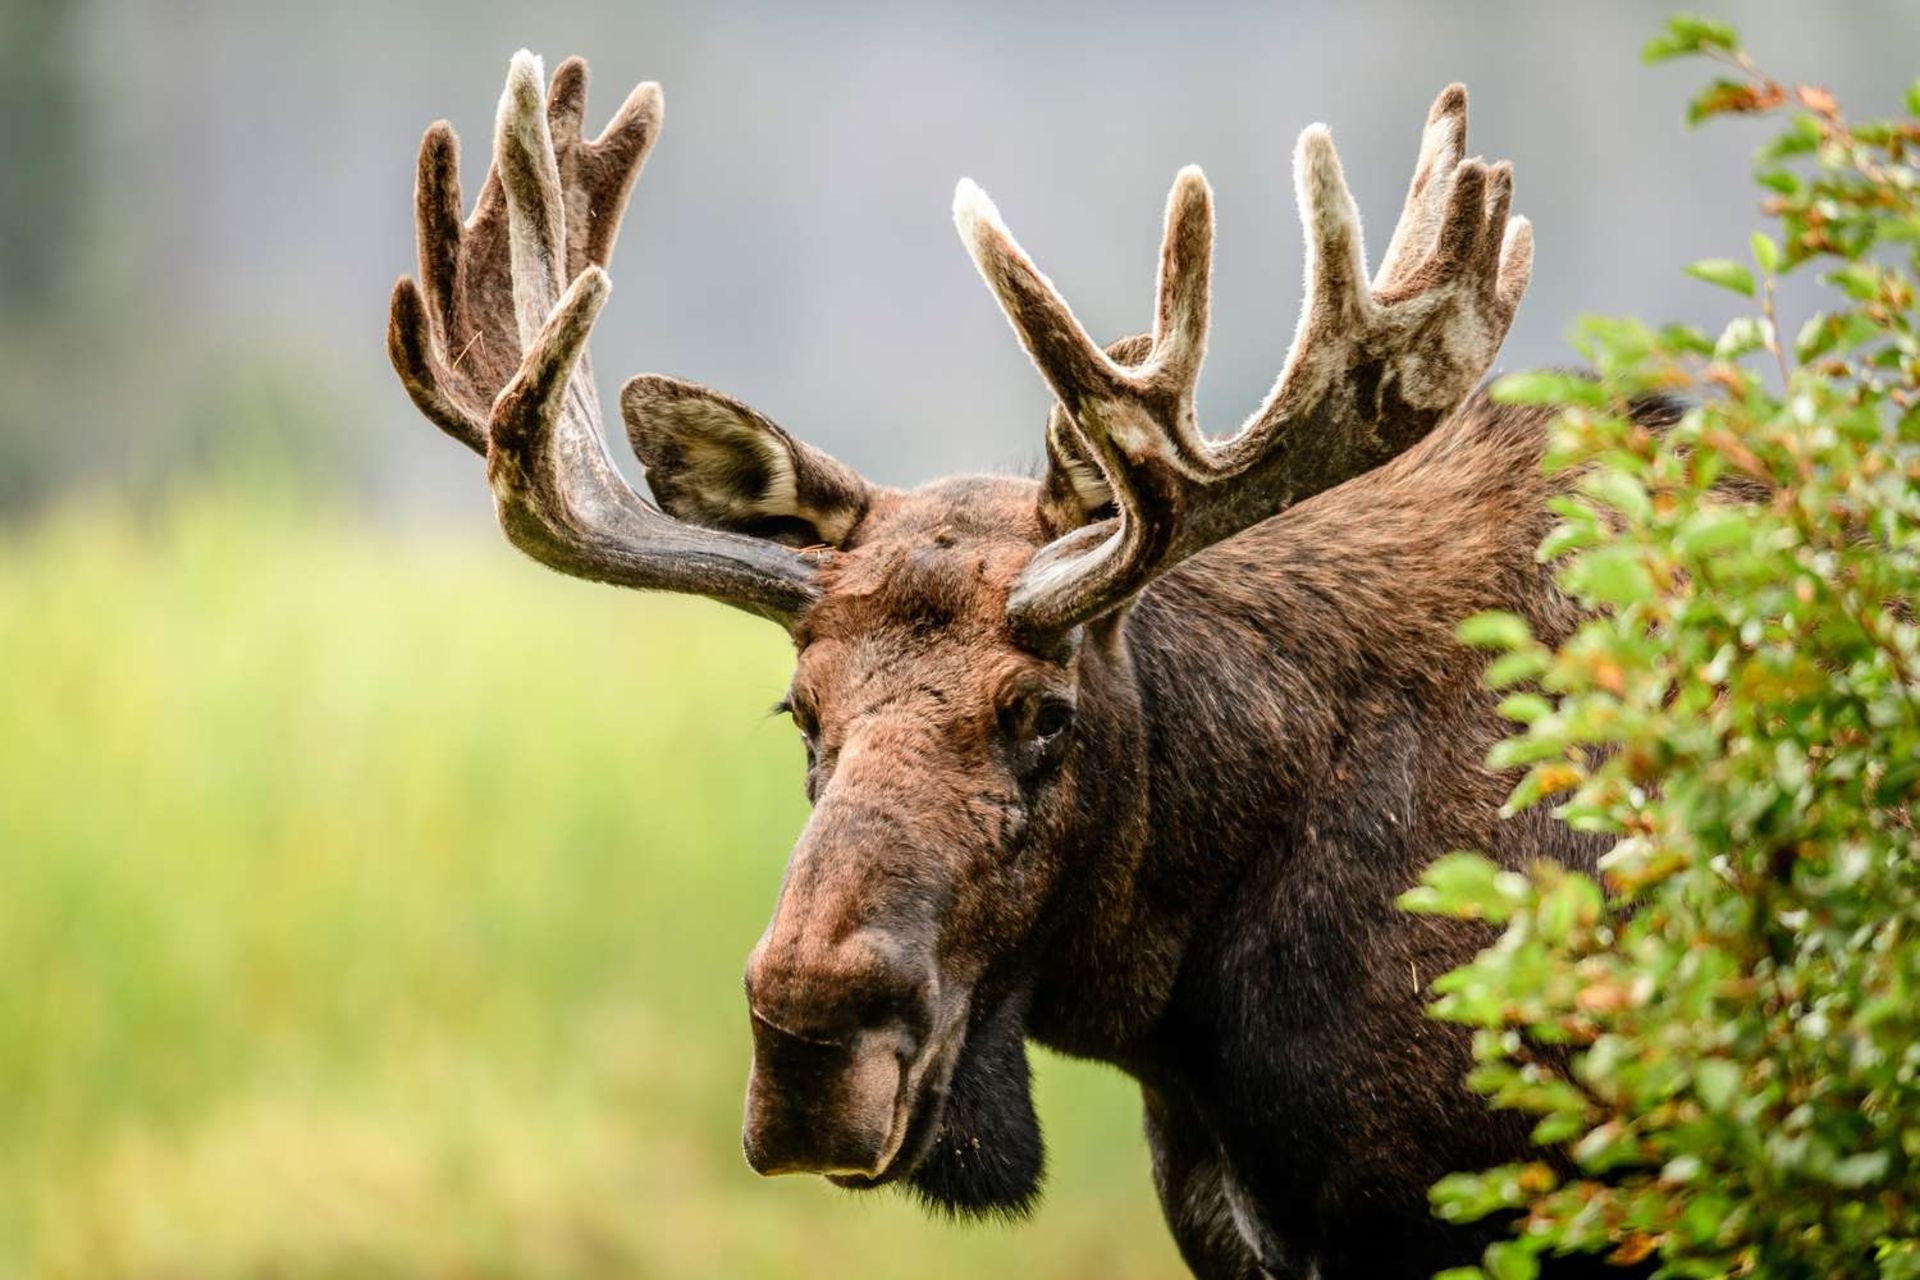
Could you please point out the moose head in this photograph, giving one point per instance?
(975, 749)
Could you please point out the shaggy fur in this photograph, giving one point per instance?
(986, 1158)
(1132, 760)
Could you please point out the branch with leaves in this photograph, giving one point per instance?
(1722, 1042)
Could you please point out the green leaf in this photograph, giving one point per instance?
(1724, 272)
(1561, 1126)
(1572, 903)
(1817, 336)
(1467, 1197)
(1662, 48)
(1704, 32)
(1716, 1081)
(1686, 339)
(1685, 34)
(1620, 491)
(1570, 535)
(1513, 668)
(1525, 707)
(1742, 336)
(1913, 98)
(1724, 96)
(1801, 135)
(1511, 1260)
(1494, 629)
(1712, 530)
(1610, 576)
(1466, 885)
(1859, 1170)
(1510, 752)
(1858, 280)
(1766, 252)
(1544, 386)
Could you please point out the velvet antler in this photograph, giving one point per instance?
(491, 344)
(1372, 368)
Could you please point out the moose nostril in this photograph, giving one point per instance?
(817, 1039)
(835, 1030)
(828, 995)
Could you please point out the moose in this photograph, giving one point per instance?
(1130, 760)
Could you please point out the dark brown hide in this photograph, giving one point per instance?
(1267, 747)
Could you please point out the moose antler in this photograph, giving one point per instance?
(492, 346)
(1372, 368)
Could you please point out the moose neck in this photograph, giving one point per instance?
(1289, 716)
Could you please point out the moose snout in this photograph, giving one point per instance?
(835, 1035)
(823, 1108)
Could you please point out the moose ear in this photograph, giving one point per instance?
(1074, 492)
(713, 461)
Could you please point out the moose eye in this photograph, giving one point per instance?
(1051, 718)
(1036, 727)
(1036, 717)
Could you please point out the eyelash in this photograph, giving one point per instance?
(785, 707)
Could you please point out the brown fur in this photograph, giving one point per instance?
(1267, 748)
(1132, 760)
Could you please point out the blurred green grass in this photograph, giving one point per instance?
(374, 905)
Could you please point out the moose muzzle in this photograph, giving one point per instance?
(839, 1034)
(826, 1107)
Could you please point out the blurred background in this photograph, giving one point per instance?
(372, 902)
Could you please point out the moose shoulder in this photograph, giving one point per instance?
(1131, 760)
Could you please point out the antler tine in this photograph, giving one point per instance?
(1182, 292)
(454, 337)
(500, 283)
(1070, 361)
(415, 358)
(1102, 394)
(1339, 311)
(559, 496)
(529, 173)
(1443, 141)
(1371, 369)
(424, 316)
(608, 166)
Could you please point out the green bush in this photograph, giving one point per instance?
(1721, 1040)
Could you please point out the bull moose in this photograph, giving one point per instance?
(1130, 760)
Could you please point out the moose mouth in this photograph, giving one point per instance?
(919, 1110)
(859, 1108)
(969, 1143)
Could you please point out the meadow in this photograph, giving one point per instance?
(373, 904)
